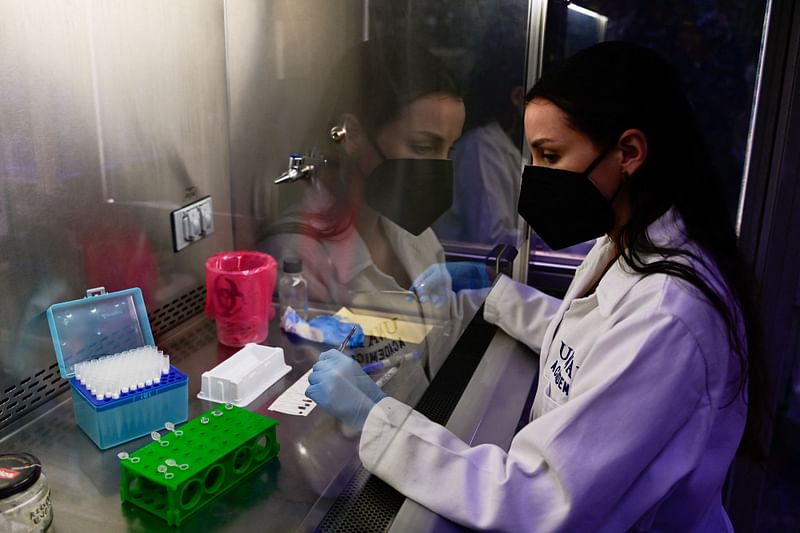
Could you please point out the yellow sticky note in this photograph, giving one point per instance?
(388, 328)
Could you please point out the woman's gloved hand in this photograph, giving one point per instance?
(434, 285)
(339, 385)
(439, 280)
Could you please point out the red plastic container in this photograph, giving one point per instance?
(239, 288)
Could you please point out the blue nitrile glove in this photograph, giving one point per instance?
(341, 388)
(329, 329)
(437, 282)
(335, 330)
(468, 275)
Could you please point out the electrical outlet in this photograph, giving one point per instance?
(192, 223)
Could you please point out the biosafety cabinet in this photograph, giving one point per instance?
(139, 139)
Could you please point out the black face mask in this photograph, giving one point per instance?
(412, 193)
(564, 207)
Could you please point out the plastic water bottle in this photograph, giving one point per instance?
(293, 288)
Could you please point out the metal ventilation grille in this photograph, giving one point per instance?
(170, 315)
(346, 514)
(371, 505)
(29, 393)
(336, 518)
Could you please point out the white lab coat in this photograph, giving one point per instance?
(635, 421)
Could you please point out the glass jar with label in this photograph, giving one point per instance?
(24, 494)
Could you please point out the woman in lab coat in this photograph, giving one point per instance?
(392, 112)
(645, 365)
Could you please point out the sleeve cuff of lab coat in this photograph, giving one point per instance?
(493, 303)
(380, 429)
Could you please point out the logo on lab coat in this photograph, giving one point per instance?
(562, 367)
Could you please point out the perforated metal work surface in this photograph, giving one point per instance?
(353, 512)
(368, 504)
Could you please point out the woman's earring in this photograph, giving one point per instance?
(338, 133)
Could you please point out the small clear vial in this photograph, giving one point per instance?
(293, 288)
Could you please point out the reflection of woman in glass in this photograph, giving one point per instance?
(394, 114)
(488, 157)
(362, 230)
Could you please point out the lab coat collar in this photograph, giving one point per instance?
(351, 256)
(668, 230)
(411, 250)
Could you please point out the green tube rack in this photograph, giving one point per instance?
(204, 458)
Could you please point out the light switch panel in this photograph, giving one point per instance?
(192, 223)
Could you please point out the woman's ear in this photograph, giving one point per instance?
(518, 97)
(351, 136)
(633, 149)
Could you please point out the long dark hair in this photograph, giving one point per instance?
(374, 81)
(614, 86)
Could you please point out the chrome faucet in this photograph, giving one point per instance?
(300, 167)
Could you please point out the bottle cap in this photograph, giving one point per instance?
(293, 265)
(18, 471)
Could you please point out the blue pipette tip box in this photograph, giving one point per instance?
(104, 324)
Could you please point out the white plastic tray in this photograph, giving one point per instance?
(244, 376)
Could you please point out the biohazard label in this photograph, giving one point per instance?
(5, 473)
